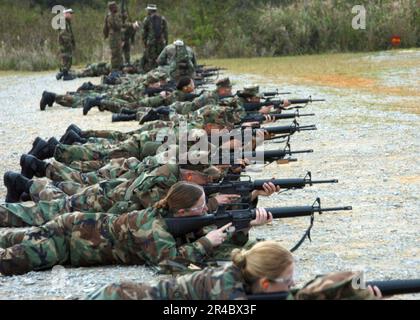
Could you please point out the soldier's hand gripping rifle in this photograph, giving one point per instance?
(388, 288)
(244, 188)
(241, 218)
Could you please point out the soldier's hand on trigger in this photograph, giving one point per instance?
(217, 237)
(262, 217)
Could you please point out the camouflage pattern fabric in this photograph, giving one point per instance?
(95, 70)
(114, 24)
(223, 283)
(88, 239)
(153, 43)
(180, 59)
(67, 45)
(334, 286)
(226, 283)
(149, 184)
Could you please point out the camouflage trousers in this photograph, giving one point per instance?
(79, 239)
(72, 181)
(106, 134)
(75, 99)
(105, 151)
(49, 201)
(116, 52)
(151, 53)
(94, 70)
(66, 61)
(126, 51)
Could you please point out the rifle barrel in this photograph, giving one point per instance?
(393, 287)
(324, 181)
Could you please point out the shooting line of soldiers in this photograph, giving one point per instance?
(106, 197)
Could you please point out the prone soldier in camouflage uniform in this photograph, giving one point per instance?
(265, 268)
(95, 70)
(155, 37)
(137, 237)
(67, 46)
(138, 188)
(89, 95)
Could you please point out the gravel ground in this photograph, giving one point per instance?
(373, 153)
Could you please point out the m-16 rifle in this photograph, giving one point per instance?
(254, 156)
(241, 218)
(244, 188)
(285, 131)
(278, 104)
(277, 116)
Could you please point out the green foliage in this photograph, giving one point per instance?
(229, 28)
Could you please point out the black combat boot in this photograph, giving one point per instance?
(151, 115)
(68, 76)
(71, 137)
(45, 149)
(32, 166)
(35, 143)
(86, 86)
(120, 117)
(16, 185)
(59, 75)
(89, 103)
(75, 129)
(48, 98)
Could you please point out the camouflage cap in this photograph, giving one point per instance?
(224, 83)
(250, 91)
(112, 4)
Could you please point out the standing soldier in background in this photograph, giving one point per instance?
(155, 37)
(112, 30)
(128, 32)
(67, 47)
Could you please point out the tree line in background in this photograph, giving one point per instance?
(229, 28)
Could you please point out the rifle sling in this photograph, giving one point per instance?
(306, 234)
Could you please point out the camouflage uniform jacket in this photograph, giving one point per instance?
(227, 283)
(151, 23)
(66, 38)
(224, 283)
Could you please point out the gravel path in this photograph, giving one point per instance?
(373, 153)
